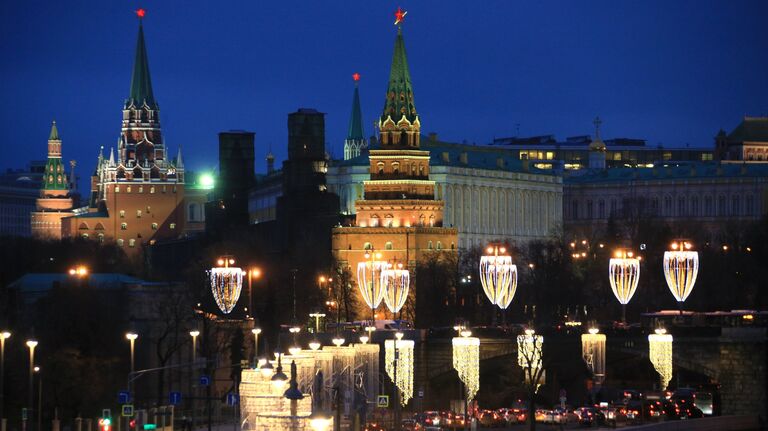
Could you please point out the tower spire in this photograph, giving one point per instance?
(356, 120)
(54, 177)
(400, 101)
(54, 135)
(141, 83)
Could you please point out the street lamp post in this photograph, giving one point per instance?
(317, 317)
(39, 398)
(30, 400)
(252, 273)
(194, 333)
(3, 336)
(256, 332)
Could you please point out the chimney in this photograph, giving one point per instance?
(463, 158)
(446, 156)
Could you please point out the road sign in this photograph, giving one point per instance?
(106, 413)
(127, 410)
(233, 399)
(421, 394)
(24, 413)
(205, 380)
(174, 398)
(382, 401)
(123, 397)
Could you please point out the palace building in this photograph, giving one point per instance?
(399, 215)
(137, 194)
(55, 201)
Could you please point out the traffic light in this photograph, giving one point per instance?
(105, 424)
(132, 424)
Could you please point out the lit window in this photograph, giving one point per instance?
(429, 245)
(388, 245)
(122, 213)
(138, 213)
(439, 245)
(101, 237)
(123, 226)
(141, 189)
(120, 242)
(131, 242)
(367, 246)
(550, 155)
(117, 189)
(173, 225)
(128, 189)
(84, 236)
(154, 226)
(523, 155)
(152, 189)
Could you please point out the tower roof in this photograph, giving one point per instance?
(54, 136)
(141, 83)
(399, 91)
(356, 120)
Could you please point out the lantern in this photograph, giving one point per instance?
(369, 280)
(466, 362)
(404, 377)
(226, 283)
(498, 276)
(660, 353)
(624, 274)
(681, 266)
(593, 352)
(396, 282)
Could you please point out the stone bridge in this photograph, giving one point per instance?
(733, 357)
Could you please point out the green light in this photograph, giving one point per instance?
(106, 421)
(150, 426)
(206, 181)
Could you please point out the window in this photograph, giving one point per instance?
(575, 210)
(84, 236)
(613, 207)
(148, 208)
(192, 215)
(735, 206)
(601, 208)
(117, 189)
(749, 205)
(380, 167)
(708, 206)
(550, 155)
(154, 226)
(667, 206)
(439, 245)
(429, 245)
(388, 220)
(367, 246)
(101, 237)
(681, 210)
(152, 189)
(589, 209)
(695, 206)
(388, 245)
(173, 226)
(128, 189)
(120, 242)
(131, 242)
(374, 220)
(123, 226)
(122, 213)
(721, 206)
(523, 155)
(453, 246)
(138, 213)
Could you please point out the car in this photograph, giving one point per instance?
(374, 426)
(490, 419)
(509, 415)
(432, 418)
(564, 416)
(411, 425)
(616, 414)
(704, 401)
(690, 411)
(589, 416)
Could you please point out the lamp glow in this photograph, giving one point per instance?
(364, 339)
(681, 266)
(338, 341)
(624, 274)
(404, 366)
(660, 353)
(498, 276)
(226, 284)
(369, 280)
(396, 282)
(314, 345)
(593, 352)
(466, 362)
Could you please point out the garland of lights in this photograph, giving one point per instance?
(466, 362)
(404, 366)
(593, 352)
(226, 284)
(396, 282)
(369, 282)
(660, 353)
(498, 276)
(624, 273)
(529, 347)
(681, 266)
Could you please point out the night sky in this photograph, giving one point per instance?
(673, 72)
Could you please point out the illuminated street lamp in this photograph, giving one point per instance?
(31, 344)
(253, 273)
(226, 283)
(131, 337)
(256, 332)
(624, 274)
(593, 352)
(498, 276)
(681, 266)
(660, 354)
(396, 282)
(370, 281)
(279, 378)
(317, 317)
(79, 271)
(4, 335)
(466, 362)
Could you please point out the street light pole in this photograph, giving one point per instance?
(194, 333)
(256, 332)
(3, 336)
(39, 398)
(30, 400)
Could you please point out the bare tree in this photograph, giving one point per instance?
(530, 356)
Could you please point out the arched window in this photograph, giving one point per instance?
(396, 167)
(439, 245)
(432, 220)
(388, 245)
(83, 226)
(388, 220)
(374, 220)
(575, 210)
(380, 167)
(735, 206)
(429, 245)
(422, 219)
(721, 206)
(367, 246)
(601, 209)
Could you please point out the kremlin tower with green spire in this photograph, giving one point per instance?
(355, 143)
(138, 192)
(55, 201)
(400, 216)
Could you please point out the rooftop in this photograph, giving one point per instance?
(672, 171)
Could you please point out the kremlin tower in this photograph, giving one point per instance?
(137, 194)
(399, 215)
(55, 201)
(355, 143)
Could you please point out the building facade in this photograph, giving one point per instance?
(55, 201)
(748, 142)
(137, 197)
(19, 191)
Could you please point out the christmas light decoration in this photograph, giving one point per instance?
(369, 280)
(226, 283)
(466, 362)
(593, 352)
(498, 276)
(681, 266)
(624, 274)
(660, 353)
(529, 348)
(404, 366)
(396, 282)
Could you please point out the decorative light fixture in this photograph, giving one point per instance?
(624, 274)
(498, 276)
(660, 353)
(593, 352)
(226, 283)
(338, 341)
(529, 348)
(364, 339)
(681, 266)
(265, 367)
(466, 362)
(295, 350)
(404, 380)
(314, 345)
(396, 282)
(369, 279)
(279, 378)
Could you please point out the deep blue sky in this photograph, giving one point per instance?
(673, 72)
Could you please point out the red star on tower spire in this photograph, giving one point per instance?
(140, 13)
(356, 76)
(400, 15)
